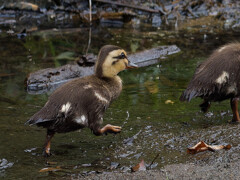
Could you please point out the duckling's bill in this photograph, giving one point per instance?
(131, 65)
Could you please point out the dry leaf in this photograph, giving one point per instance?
(48, 169)
(169, 101)
(202, 146)
(151, 86)
(217, 147)
(139, 167)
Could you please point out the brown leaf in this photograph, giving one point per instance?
(169, 101)
(151, 86)
(217, 147)
(139, 167)
(49, 169)
(202, 146)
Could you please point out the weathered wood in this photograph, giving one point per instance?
(152, 56)
(48, 79)
(22, 6)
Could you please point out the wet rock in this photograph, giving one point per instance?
(50, 78)
(114, 165)
(7, 21)
(236, 27)
(137, 156)
(125, 169)
(30, 150)
(113, 13)
(154, 165)
(129, 141)
(4, 164)
(86, 165)
(156, 21)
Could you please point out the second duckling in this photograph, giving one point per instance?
(217, 79)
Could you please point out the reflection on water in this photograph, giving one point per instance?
(153, 120)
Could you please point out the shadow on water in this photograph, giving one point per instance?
(153, 120)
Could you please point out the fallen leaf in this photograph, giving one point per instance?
(202, 146)
(65, 56)
(139, 167)
(151, 86)
(218, 147)
(169, 102)
(49, 169)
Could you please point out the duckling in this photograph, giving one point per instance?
(82, 102)
(217, 79)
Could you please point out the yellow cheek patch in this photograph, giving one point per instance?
(112, 66)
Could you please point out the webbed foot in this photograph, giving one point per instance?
(46, 153)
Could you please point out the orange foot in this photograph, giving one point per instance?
(46, 152)
(111, 129)
(235, 121)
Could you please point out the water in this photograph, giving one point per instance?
(153, 120)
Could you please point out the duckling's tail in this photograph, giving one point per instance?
(32, 121)
(187, 95)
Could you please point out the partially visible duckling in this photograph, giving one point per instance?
(217, 79)
(82, 102)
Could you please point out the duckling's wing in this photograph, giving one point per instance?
(79, 97)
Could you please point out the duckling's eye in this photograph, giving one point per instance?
(122, 56)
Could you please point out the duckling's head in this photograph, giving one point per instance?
(111, 60)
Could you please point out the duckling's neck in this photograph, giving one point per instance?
(114, 79)
(113, 85)
(118, 80)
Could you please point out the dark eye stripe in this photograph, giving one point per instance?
(114, 61)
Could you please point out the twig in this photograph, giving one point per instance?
(89, 39)
(154, 160)
(90, 12)
(126, 119)
(128, 5)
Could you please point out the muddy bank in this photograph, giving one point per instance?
(222, 164)
(189, 171)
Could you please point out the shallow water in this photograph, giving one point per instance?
(151, 126)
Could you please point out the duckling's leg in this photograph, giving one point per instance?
(234, 106)
(205, 105)
(46, 150)
(107, 129)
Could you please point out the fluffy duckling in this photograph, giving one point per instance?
(217, 79)
(82, 102)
